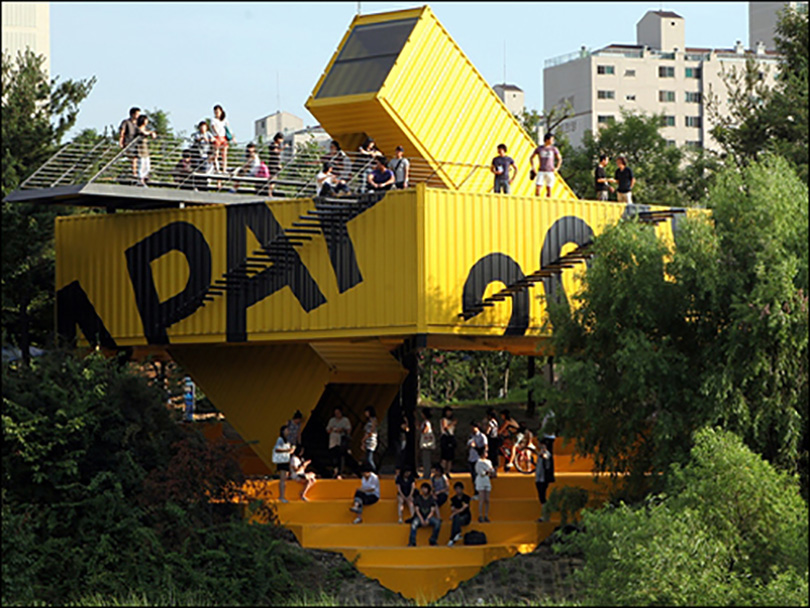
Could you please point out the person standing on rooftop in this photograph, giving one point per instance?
(547, 153)
(501, 166)
(401, 167)
(626, 181)
(127, 133)
(221, 129)
(602, 180)
(144, 163)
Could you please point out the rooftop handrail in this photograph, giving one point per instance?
(103, 161)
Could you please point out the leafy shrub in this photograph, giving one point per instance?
(105, 495)
(729, 530)
(568, 501)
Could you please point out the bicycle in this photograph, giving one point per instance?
(525, 457)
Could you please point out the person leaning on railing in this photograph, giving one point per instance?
(381, 178)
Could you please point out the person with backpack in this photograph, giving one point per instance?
(401, 167)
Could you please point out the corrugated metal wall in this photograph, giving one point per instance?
(93, 251)
(502, 233)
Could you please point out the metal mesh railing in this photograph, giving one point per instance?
(178, 164)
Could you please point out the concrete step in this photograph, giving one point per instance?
(367, 535)
(506, 485)
(385, 511)
(426, 556)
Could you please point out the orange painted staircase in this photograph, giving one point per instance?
(378, 546)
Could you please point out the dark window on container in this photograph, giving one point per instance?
(366, 59)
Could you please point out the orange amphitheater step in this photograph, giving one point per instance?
(378, 546)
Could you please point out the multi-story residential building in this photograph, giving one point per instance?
(278, 122)
(27, 25)
(657, 75)
(762, 18)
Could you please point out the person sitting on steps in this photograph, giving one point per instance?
(298, 471)
(459, 512)
(427, 514)
(367, 494)
(405, 486)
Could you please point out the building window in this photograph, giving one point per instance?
(666, 71)
(631, 97)
(694, 121)
(629, 73)
(670, 142)
(693, 97)
(605, 69)
(605, 120)
(666, 96)
(606, 94)
(692, 144)
(692, 72)
(667, 121)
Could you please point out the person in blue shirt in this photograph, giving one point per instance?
(505, 170)
(381, 178)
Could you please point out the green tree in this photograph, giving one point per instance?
(637, 137)
(532, 121)
(105, 493)
(760, 119)
(729, 530)
(658, 344)
(36, 115)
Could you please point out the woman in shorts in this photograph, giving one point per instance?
(281, 458)
(220, 127)
(298, 471)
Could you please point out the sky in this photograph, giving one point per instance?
(255, 58)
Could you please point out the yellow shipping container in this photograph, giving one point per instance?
(403, 80)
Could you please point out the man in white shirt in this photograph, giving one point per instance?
(368, 494)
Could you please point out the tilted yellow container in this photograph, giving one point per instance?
(402, 78)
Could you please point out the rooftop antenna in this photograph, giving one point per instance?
(504, 61)
(358, 8)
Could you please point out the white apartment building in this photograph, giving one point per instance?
(27, 25)
(278, 122)
(657, 75)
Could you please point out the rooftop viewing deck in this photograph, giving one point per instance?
(101, 174)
